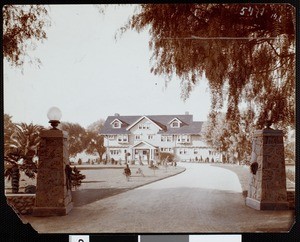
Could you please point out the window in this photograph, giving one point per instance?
(137, 137)
(150, 136)
(184, 138)
(166, 138)
(195, 151)
(175, 124)
(116, 124)
(111, 137)
(144, 126)
(114, 152)
(123, 138)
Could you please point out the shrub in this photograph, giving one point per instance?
(31, 189)
(290, 175)
(164, 155)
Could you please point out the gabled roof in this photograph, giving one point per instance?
(144, 142)
(175, 119)
(140, 119)
(162, 121)
(116, 119)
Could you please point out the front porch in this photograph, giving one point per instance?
(144, 151)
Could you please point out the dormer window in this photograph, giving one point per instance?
(116, 124)
(175, 124)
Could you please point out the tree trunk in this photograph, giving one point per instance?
(15, 179)
(100, 156)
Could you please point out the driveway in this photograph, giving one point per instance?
(202, 199)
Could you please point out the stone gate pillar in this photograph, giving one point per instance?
(53, 194)
(267, 185)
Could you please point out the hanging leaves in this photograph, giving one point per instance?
(246, 51)
(22, 26)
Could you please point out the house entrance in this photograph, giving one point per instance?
(142, 154)
(144, 151)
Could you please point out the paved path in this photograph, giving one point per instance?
(204, 198)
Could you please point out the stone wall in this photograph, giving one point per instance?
(267, 188)
(21, 203)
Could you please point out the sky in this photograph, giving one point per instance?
(89, 75)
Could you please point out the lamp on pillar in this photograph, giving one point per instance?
(54, 116)
(53, 194)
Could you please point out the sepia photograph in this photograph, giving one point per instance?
(150, 118)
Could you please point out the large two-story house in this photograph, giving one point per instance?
(148, 135)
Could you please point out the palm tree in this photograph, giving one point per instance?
(9, 128)
(20, 152)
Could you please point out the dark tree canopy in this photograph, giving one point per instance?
(77, 137)
(22, 26)
(246, 51)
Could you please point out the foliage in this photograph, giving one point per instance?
(166, 156)
(290, 175)
(290, 145)
(19, 152)
(95, 142)
(231, 138)
(246, 51)
(9, 128)
(26, 137)
(23, 25)
(96, 126)
(76, 177)
(77, 137)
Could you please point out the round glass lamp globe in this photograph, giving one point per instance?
(54, 113)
